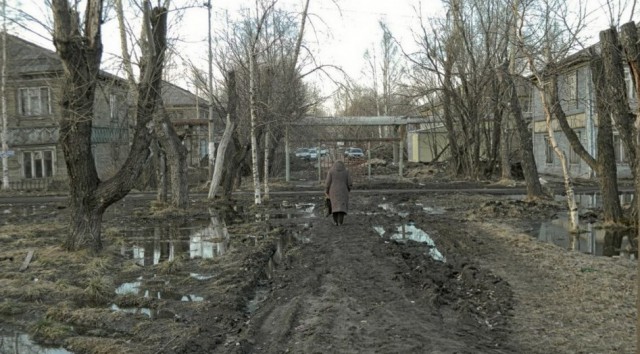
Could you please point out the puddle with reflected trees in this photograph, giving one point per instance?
(591, 239)
(21, 343)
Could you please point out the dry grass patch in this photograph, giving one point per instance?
(565, 298)
(99, 290)
(9, 307)
(50, 332)
(95, 345)
(173, 266)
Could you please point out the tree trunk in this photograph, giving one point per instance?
(161, 172)
(175, 156)
(605, 159)
(226, 136)
(529, 168)
(632, 53)
(81, 54)
(550, 89)
(614, 71)
(267, 142)
(257, 199)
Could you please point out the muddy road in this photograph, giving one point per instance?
(408, 272)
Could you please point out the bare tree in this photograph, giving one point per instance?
(5, 118)
(455, 69)
(79, 45)
(170, 154)
(226, 136)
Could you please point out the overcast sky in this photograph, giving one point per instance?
(341, 30)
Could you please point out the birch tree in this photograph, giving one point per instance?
(3, 92)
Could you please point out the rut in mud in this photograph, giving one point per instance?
(350, 290)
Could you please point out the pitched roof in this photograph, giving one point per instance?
(28, 58)
(174, 95)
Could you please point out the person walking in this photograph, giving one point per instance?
(337, 186)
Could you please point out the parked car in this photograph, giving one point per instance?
(354, 153)
(302, 153)
(313, 153)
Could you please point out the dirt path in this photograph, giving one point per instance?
(350, 291)
(469, 282)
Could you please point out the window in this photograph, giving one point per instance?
(618, 150)
(629, 83)
(574, 158)
(572, 89)
(548, 151)
(34, 101)
(38, 164)
(525, 102)
(204, 148)
(113, 107)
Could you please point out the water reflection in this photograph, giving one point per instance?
(591, 240)
(388, 207)
(263, 289)
(287, 211)
(21, 343)
(409, 231)
(594, 200)
(166, 242)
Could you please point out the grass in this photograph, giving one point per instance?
(9, 308)
(170, 267)
(49, 331)
(96, 267)
(99, 290)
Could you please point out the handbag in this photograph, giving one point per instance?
(327, 207)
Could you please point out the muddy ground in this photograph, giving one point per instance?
(411, 271)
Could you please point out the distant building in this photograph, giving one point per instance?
(33, 83)
(577, 97)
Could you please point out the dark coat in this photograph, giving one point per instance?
(338, 185)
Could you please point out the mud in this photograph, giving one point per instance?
(282, 278)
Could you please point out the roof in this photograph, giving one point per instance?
(27, 58)
(373, 120)
(174, 95)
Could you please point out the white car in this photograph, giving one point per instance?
(302, 153)
(354, 153)
(314, 152)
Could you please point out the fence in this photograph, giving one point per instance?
(39, 184)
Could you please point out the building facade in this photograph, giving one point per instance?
(33, 83)
(577, 97)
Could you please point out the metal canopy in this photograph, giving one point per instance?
(361, 120)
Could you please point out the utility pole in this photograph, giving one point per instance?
(212, 144)
(5, 137)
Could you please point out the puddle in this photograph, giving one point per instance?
(404, 210)
(191, 297)
(591, 239)
(287, 211)
(151, 289)
(261, 294)
(21, 343)
(431, 210)
(388, 207)
(201, 276)
(409, 231)
(152, 246)
(263, 289)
